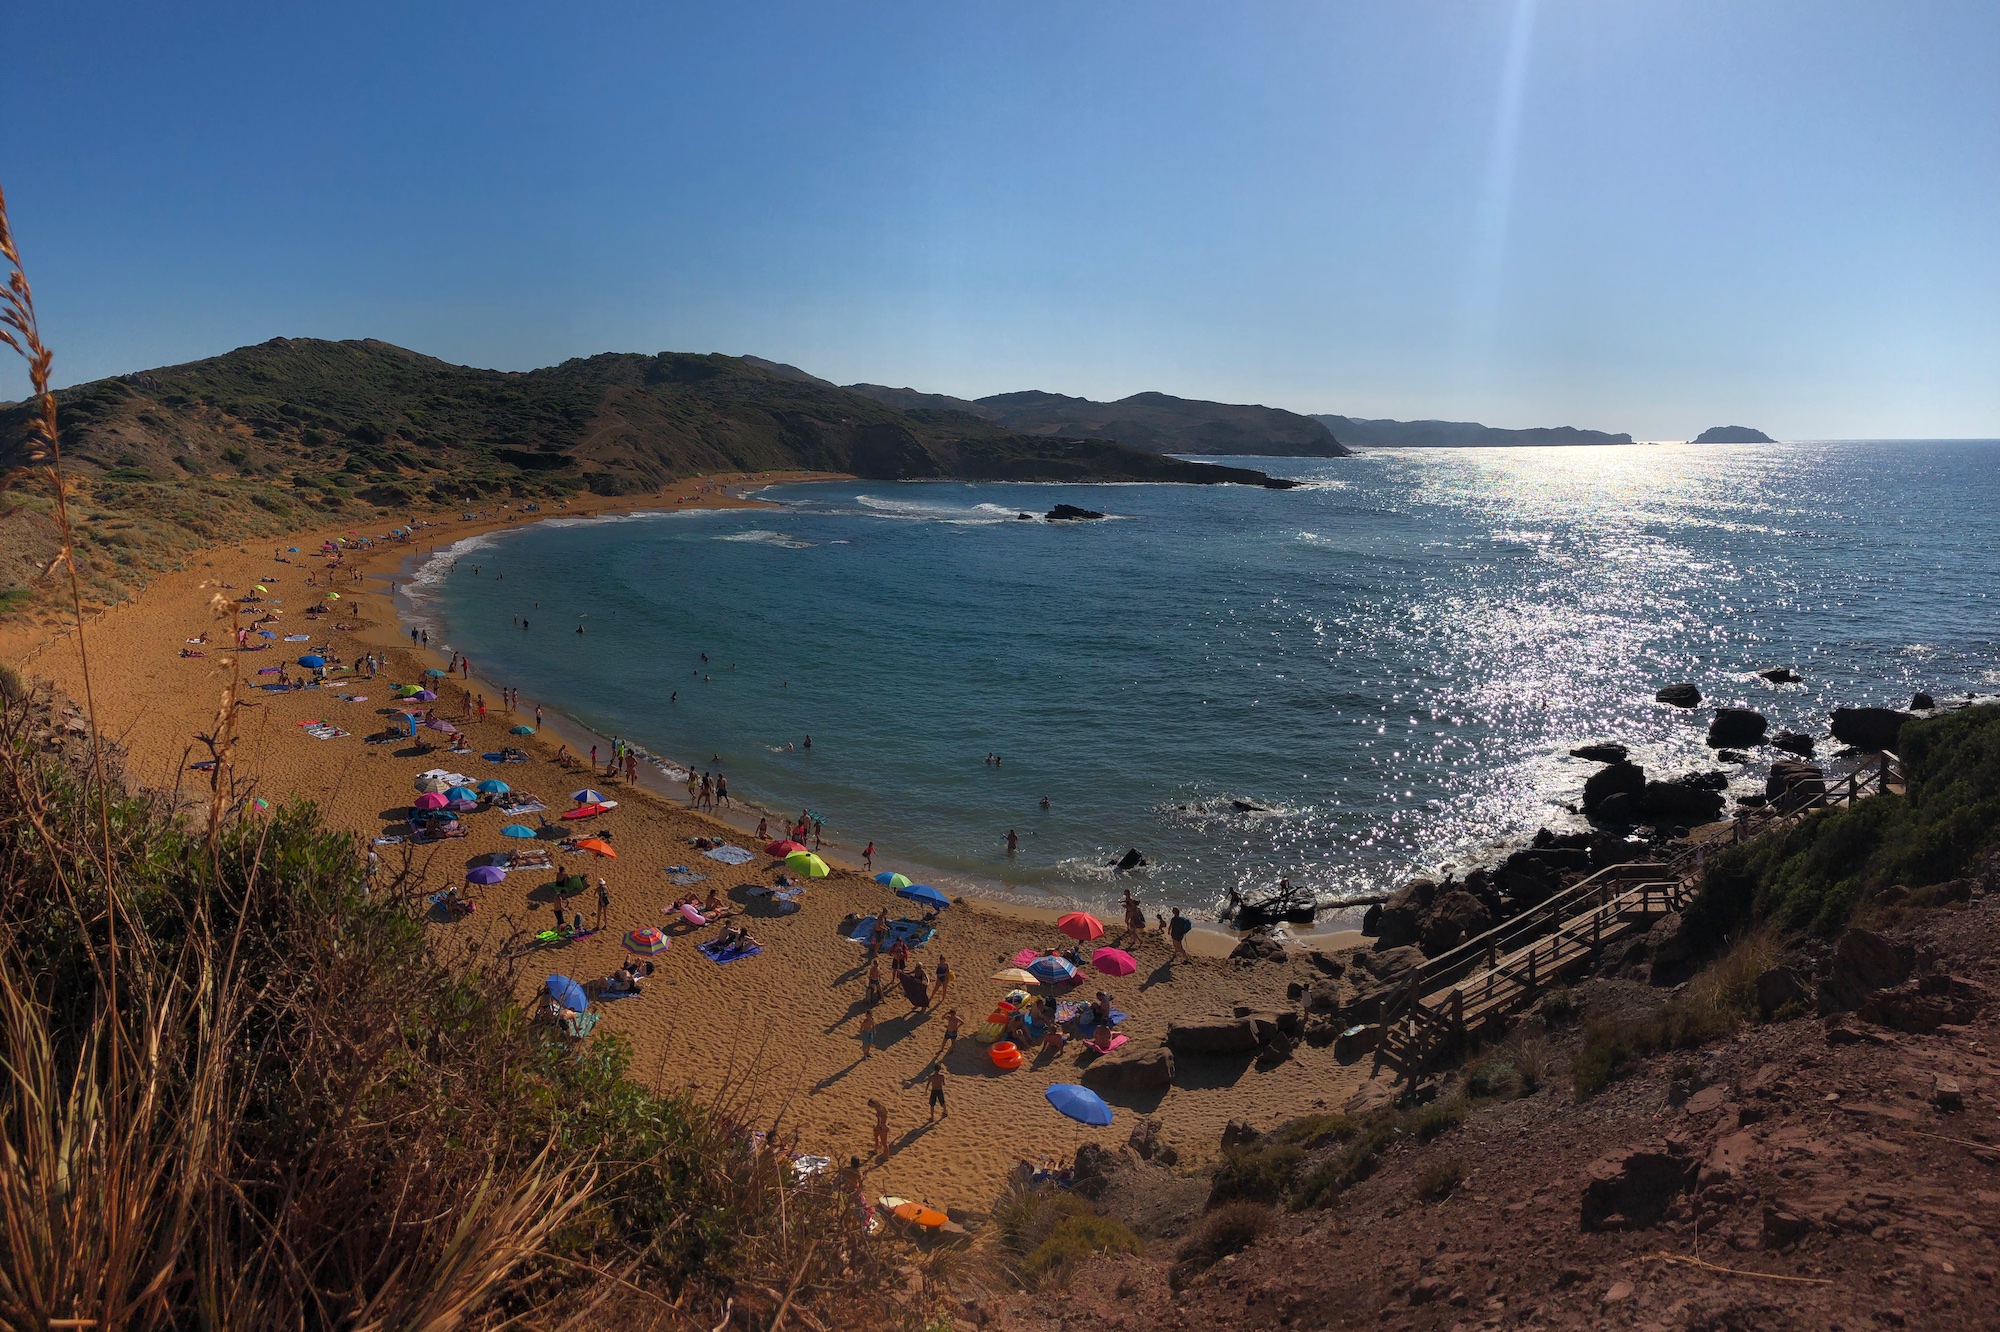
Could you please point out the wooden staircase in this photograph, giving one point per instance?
(1456, 995)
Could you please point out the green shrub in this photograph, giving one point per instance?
(1228, 1229)
(1560, 1006)
(1341, 1171)
(1260, 1172)
(1311, 1131)
(1490, 1077)
(1814, 874)
(1440, 1182)
(1052, 1233)
(1435, 1120)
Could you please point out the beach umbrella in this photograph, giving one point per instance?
(1081, 926)
(923, 892)
(485, 874)
(520, 730)
(429, 782)
(422, 696)
(1114, 962)
(1079, 1103)
(1052, 970)
(430, 800)
(808, 864)
(889, 880)
(570, 995)
(649, 941)
(587, 797)
(460, 793)
(404, 691)
(597, 844)
(434, 673)
(462, 806)
(494, 786)
(517, 830)
(333, 596)
(1014, 975)
(440, 724)
(291, 550)
(783, 849)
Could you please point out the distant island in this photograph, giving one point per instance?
(1732, 435)
(1385, 434)
(1156, 422)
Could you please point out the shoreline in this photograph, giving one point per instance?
(1209, 938)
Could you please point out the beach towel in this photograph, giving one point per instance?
(684, 878)
(1086, 1023)
(1116, 1041)
(728, 855)
(393, 839)
(724, 956)
(298, 638)
(915, 990)
(580, 1025)
(912, 932)
(1024, 957)
(325, 732)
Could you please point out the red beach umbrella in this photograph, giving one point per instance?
(1114, 962)
(783, 849)
(1081, 926)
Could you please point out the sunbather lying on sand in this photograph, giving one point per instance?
(735, 937)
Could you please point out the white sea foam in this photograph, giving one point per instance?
(762, 537)
(975, 515)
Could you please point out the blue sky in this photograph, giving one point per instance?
(1652, 217)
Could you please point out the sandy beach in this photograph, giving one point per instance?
(777, 1032)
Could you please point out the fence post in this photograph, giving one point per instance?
(1458, 1014)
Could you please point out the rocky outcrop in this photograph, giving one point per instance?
(1922, 1005)
(1781, 675)
(1601, 753)
(1680, 696)
(1680, 802)
(1870, 729)
(1453, 918)
(1794, 784)
(1258, 946)
(1921, 702)
(1632, 1188)
(1734, 728)
(1619, 778)
(1131, 1071)
(1793, 742)
(1212, 1036)
(1069, 513)
(1862, 963)
(1400, 921)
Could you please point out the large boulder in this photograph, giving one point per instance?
(1923, 1005)
(1452, 919)
(1864, 962)
(1613, 779)
(1606, 752)
(1793, 742)
(1400, 921)
(1680, 802)
(1633, 1187)
(1781, 675)
(1779, 987)
(1921, 702)
(1091, 1169)
(1258, 946)
(1680, 696)
(1794, 784)
(1734, 728)
(1618, 810)
(1212, 1036)
(1870, 729)
(1131, 1071)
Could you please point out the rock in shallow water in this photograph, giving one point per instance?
(1680, 696)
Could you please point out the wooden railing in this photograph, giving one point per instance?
(1505, 968)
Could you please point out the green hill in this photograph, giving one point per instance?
(1156, 422)
(291, 431)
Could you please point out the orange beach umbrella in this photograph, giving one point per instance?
(1081, 926)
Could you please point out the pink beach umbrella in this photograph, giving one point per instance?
(1114, 962)
(430, 800)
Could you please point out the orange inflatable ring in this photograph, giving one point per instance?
(1007, 1055)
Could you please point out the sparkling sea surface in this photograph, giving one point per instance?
(1389, 662)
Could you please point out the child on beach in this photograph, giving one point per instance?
(868, 1044)
(868, 856)
(952, 1022)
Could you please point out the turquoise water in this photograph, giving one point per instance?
(1390, 660)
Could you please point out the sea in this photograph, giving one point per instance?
(1376, 674)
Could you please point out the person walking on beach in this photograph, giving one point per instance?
(868, 1040)
(538, 716)
(952, 1022)
(1013, 842)
(938, 1106)
(881, 1128)
(482, 707)
(721, 790)
(1177, 930)
(868, 856)
(1135, 915)
(593, 758)
(603, 902)
(943, 980)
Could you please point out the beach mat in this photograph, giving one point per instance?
(1024, 957)
(724, 956)
(912, 932)
(685, 878)
(728, 855)
(1085, 1023)
(1116, 1041)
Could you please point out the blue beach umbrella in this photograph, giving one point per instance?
(517, 830)
(435, 673)
(1079, 1103)
(291, 550)
(1052, 970)
(312, 660)
(587, 797)
(494, 786)
(890, 879)
(923, 892)
(460, 793)
(570, 995)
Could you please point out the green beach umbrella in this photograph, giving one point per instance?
(520, 730)
(808, 864)
(892, 880)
